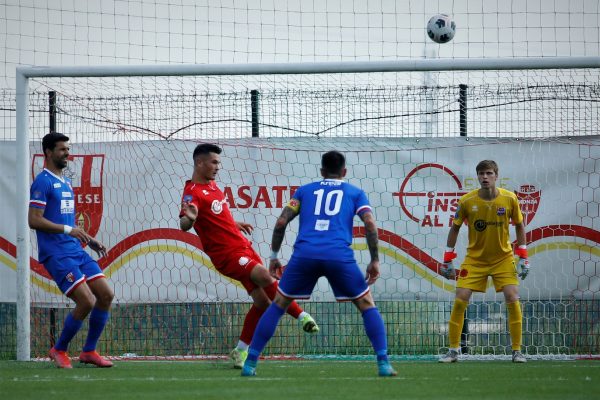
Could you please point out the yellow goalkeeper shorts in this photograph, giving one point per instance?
(475, 277)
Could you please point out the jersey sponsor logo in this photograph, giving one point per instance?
(56, 185)
(86, 172)
(67, 206)
(66, 194)
(322, 225)
(529, 200)
(480, 225)
(217, 206)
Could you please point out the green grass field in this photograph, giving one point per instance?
(302, 380)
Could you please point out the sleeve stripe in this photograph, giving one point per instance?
(363, 208)
(37, 203)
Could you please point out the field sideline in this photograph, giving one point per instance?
(302, 380)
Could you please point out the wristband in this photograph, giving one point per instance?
(67, 229)
(521, 251)
(449, 255)
(274, 255)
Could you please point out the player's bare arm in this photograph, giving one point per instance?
(520, 232)
(371, 234)
(523, 265)
(37, 221)
(98, 247)
(287, 215)
(190, 213)
(453, 236)
(245, 227)
(372, 243)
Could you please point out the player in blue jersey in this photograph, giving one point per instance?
(327, 209)
(79, 277)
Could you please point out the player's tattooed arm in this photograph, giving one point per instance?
(371, 234)
(287, 215)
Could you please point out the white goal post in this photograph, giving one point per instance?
(23, 157)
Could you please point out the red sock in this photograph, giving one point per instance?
(294, 309)
(250, 323)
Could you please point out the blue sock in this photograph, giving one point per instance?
(97, 323)
(70, 329)
(264, 331)
(376, 332)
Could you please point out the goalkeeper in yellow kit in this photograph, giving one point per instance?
(488, 212)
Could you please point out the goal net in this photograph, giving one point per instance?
(412, 140)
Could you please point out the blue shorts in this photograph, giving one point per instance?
(70, 271)
(301, 275)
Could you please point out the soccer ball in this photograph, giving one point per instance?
(441, 28)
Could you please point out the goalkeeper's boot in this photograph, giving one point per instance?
(309, 325)
(249, 368)
(518, 357)
(60, 358)
(92, 357)
(238, 357)
(450, 357)
(385, 369)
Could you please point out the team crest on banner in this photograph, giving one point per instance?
(86, 174)
(529, 198)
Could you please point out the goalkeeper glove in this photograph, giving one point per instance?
(448, 271)
(523, 264)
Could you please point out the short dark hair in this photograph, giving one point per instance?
(487, 164)
(206, 148)
(333, 162)
(49, 141)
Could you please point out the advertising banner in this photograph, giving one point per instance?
(128, 195)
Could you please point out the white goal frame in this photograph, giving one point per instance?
(24, 73)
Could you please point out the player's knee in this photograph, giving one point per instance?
(364, 303)
(262, 304)
(105, 299)
(261, 277)
(511, 293)
(512, 298)
(282, 302)
(260, 298)
(85, 304)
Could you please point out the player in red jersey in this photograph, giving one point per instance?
(203, 207)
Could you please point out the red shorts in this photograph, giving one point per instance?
(238, 264)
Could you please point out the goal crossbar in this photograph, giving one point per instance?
(413, 65)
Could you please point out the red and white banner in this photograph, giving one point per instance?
(130, 201)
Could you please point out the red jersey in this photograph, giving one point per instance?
(214, 225)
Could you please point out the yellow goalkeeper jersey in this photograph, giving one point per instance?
(488, 221)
